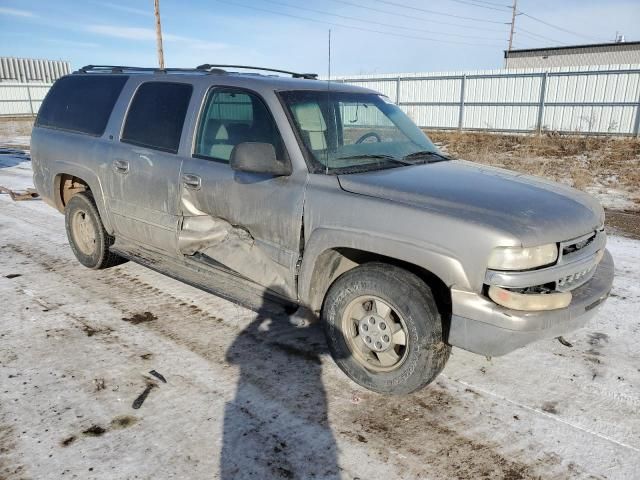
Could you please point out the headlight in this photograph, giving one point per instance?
(529, 302)
(519, 258)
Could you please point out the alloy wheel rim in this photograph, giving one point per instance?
(376, 333)
(84, 232)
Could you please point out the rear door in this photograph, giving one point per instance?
(249, 223)
(145, 166)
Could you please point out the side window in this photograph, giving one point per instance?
(81, 103)
(156, 115)
(231, 117)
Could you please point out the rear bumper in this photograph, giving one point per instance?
(481, 326)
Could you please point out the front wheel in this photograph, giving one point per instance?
(384, 329)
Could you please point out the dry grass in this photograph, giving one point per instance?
(11, 127)
(594, 164)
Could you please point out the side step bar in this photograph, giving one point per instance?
(216, 280)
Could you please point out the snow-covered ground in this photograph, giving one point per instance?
(257, 396)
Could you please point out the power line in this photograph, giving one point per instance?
(412, 17)
(493, 3)
(435, 12)
(352, 27)
(521, 46)
(498, 7)
(533, 35)
(518, 12)
(388, 25)
(562, 29)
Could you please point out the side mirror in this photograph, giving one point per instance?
(257, 157)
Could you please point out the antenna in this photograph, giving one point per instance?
(329, 65)
(326, 165)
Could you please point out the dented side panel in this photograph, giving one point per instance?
(250, 223)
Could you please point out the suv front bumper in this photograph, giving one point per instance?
(481, 326)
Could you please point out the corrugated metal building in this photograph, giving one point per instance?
(31, 70)
(620, 53)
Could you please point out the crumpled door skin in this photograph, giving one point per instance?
(233, 247)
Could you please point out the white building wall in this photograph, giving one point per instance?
(613, 54)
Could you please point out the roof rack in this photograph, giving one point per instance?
(122, 69)
(205, 68)
(208, 67)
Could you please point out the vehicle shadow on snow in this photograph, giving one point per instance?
(277, 424)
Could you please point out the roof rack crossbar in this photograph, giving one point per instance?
(209, 66)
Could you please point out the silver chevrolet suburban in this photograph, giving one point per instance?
(319, 195)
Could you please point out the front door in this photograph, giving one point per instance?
(249, 223)
(145, 169)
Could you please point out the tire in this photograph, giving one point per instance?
(88, 239)
(412, 307)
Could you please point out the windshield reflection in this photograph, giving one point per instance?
(345, 132)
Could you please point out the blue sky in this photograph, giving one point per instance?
(368, 36)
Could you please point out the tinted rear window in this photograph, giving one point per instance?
(156, 115)
(81, 103)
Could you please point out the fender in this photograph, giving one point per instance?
(92, 179)
(439, 262)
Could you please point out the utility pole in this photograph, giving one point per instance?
(159, 34)
(513, 22)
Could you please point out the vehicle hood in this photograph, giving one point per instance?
(531, 209)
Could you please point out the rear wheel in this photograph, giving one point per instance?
(384, 329)
(88, 239)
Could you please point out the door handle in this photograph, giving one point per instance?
(121, 166)
(194, 182)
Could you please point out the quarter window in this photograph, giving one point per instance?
(156, 115)
(231, 117)
(81, 103)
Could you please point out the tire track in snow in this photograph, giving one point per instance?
(280, 352)
(439, 432)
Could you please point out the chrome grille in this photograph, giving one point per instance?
(570, 248)
(569, 282)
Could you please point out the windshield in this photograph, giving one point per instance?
(353, 132)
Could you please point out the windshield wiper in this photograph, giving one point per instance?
(390, 158)
(436, 157)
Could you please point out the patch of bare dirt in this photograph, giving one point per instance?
(8, 470)
(94, 431)
(390, 421)
(123, 421)
(141, 318)
(623, 223)
(12, 127)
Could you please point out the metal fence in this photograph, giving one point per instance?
(21, 99)
(595, 100)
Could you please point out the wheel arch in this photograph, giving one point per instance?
(71, 180)
(331, 253)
